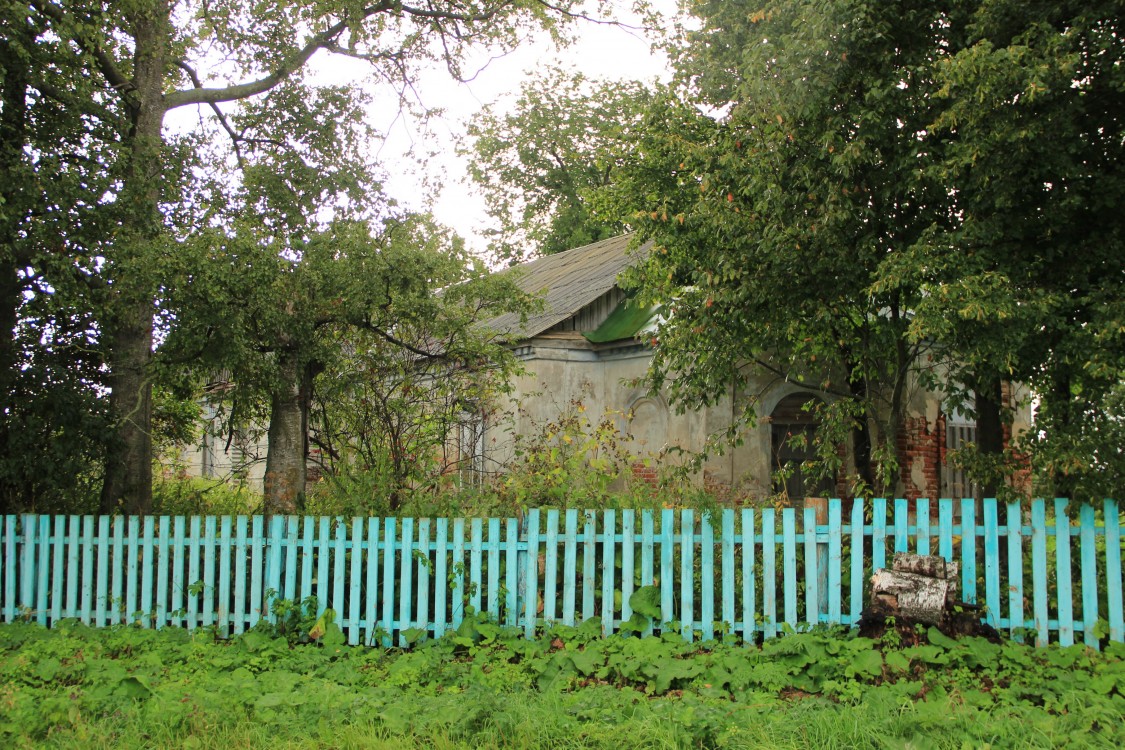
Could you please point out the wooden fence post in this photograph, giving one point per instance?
(819, 506)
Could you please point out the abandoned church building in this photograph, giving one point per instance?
(590, 345)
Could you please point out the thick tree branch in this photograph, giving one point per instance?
(235, 137)
(106, 64)
(83, 105)
(324, 40)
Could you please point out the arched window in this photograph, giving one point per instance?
(792, 427)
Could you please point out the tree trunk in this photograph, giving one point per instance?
(128, 471)
(128, 480)
(286, 457)
(1059, 407)
(861, 437)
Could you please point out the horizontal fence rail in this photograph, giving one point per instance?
(1050, 572)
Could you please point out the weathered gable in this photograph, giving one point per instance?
(579, 288)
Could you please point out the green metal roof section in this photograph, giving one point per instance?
(568, 281)
(628, 319)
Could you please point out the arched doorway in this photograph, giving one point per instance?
(792, 428)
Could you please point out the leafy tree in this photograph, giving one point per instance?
(54, 138)
(541, 165)
(354, 324)
(775, 211)
(1027, 283)
(889, 193)
(399, 410)
(145, 58)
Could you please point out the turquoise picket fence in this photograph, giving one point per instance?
(742, 573)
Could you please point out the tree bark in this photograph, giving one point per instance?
(127, 486)
(861, 436)
(286, 457)
(128, 472)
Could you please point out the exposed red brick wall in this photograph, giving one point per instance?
(646, 473)
(921, 449)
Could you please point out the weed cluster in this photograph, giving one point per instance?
(484, 686)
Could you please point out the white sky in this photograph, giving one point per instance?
(602, 51)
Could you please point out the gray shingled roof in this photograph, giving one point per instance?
(568, 281)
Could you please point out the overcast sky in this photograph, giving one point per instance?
(602, 51)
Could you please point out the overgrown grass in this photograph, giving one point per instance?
(482, 687)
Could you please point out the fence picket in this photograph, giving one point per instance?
(187, 572)
(609, 558)
(570, 566)
(589, 560)
(1015, 570)
(60, 564)
(11, 555)
(923, 523)
(323, 564)
(388, 592)
(727, 553)
(511, 571)
(1039, 570)
(835, 557)
(148, 552)
(372, 618)
(1113, 571)
(1063, 573)
(257, 547)
(423, 548)
(493, 569)
(749, 585)
(812, 590)
(648, 543)
(276, 546)
(210, 534)
(74, 559)
(551, 571)
(223, 610)
(339, 552)
(308, 552)
(476, 575)
(789, 564)
(531, 574)
(687, 568)
(441, 575)
(355, 574)
(879, 534)
(707, 577)
(406, 576)
(241, 542)
(855, 597)
(667, 605)
(292, 553)
(945, 528)
(177, 606)
(628, 568)
(769, 576)
(902, 525)
(27, 580)
(969, 550)
(1089, 570)
(41, 590)
(101, 598)
(160, 613)
(991, 562)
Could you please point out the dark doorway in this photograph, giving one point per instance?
(793, 427)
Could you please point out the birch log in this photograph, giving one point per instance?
(917, 588)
